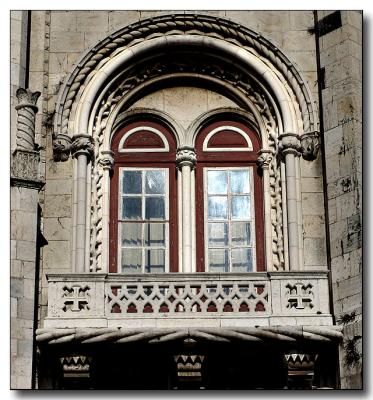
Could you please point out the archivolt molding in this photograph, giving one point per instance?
(190, 24)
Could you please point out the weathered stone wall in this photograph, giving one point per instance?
(341, 56)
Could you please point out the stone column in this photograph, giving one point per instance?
(82, 150)
(289, 146)
(186, 159)
(264, 160)
(25, 185)
(106, 161)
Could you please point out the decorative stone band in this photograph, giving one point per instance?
(82, 144)
(290, 334)
(25, 164)
(289, 143)
(106, 159)
(310, 145)
(264, 159)
(61, 147)
(185, 156)
(26, 109)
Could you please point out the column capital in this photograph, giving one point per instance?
(185, 156)
(27, 98)
(289, 143)
(106, 160)
(310, 144)
(61, 147)
(265, 158)
(82, 144)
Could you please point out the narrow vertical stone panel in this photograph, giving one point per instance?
(341, 56)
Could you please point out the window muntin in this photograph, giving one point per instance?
(143, 220)
(229, 219)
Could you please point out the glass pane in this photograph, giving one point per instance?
(242, 260)
(154, 261)
(131, 234)
(154, 208)
(240, 181)
(218, 234)
(217, 182)
(131, 208)
(218, 260)
(154, 182)
(218, 207)
(154, 235)
(131, 182)
(241, 207)
(131, 261)
(240, 233)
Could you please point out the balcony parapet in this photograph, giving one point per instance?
(188, 300)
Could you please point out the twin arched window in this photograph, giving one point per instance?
(144, 204)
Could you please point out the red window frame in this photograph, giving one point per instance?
(143, 160)
(228, 159)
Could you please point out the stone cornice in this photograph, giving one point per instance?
(26, 183)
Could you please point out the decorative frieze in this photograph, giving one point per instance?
(186, 156)
(77, 366)
(310, 145)
(189, 367)
(25, 164)
(26, 109)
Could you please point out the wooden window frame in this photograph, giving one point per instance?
(143, 160)
(228, 159)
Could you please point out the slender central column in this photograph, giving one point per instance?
(185, 159)
(290, 147)
(81, 149)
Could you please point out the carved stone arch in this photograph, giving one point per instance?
(102, 85)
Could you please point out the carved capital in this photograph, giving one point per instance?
(310, 145)
(264, 159)
(106, 160)
(185, 156)
(61, 147)
(26, 98)
(82, 144)
(289, 143)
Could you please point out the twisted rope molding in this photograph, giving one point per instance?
(184, 24)
(120, 335)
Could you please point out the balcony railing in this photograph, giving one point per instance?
(187, 300)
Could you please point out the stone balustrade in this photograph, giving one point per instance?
(187, 300)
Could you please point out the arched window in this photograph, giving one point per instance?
(143, 200)
(229, 213)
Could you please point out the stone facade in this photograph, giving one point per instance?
(323, 236)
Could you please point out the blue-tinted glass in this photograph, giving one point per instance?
(131, 261)
(131, 182)
(218, 260)
(155, 182)
(218, 234)
(241, 207)
(240, 233)
(131, 208)
(217, 207)
(240, 181)
(154, 234)
(217, 182)
(242, 260)
(154, 261)
(131, 234)
(154, 208)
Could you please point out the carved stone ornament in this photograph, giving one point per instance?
(301, 369)
(310, 145)
(185, 156)
(82, 144)
(289, 143)
(26, 109)
(189, 367)
(61, 147)
(25, 164)
(106, 160)
(264, 159)
(76, 366)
